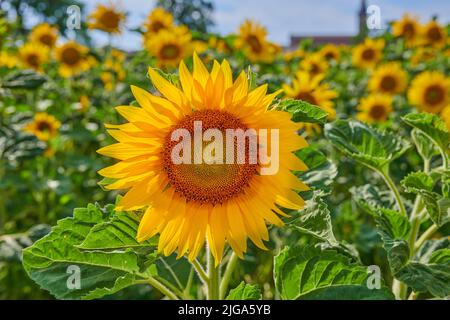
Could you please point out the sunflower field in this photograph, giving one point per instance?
(92, 205)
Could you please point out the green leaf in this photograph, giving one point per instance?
(244, 292)
(49, 261)
(11, 245)
(424, 145)
(371, 147)
(438, 207)
(369, 196)
(429, 247)
(417, 181)
(394, 229)
(432, 126)
(24, 79)
(321, 171)
(303, 111)
(117, 233)
(307, 272)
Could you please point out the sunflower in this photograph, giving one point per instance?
(388, 78)
(169, 47)
(407, 28)
(314, 64)
(429, 91)
(445, 114)
(367, 54)
(252, 40)
(72, 58)
(43, 126)
(434, 35)
(8, 60)
(159, 19)
(423, 54)
(288, 56)
(33, 55)
(186, 203)
(44, 34)
(106, 18)
(374, 108)
(309, 88)
(330, 52)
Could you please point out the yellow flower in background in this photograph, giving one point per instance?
(291, 55)
(186, 203)
(314, 64)
(159, 19)
(8, 60)
(330, 52)
(106, 18)
(33, 55)
(388, 78)
(375, 108)
(309, 88)
(445, 114)
(434, 35)
(367, 54)
(252, 40)
(407, 28)
(169, 47)
(108, 80)
(220, 45)
(43, 126)
(44, 34)
(72, 58)
(114, 66)
(423, 54)
(84, 103)
(429, 91)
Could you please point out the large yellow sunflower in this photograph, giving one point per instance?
(434, 35)
(159, 19)
(186, 203)
(388, 78)
(44, 34)
(429, 91)
(43, 126)
(309, 88)
(367, 54)
(314, 64)
(33, 55)
(252, 39)
(106, 18)
(73, 59)
(169, 47)
(408, 28)
(375, 108)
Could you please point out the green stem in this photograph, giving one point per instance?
(227, 274)
(200, 271)
(2, 199)
(162, 288)
(385, 174)
(213, 277)
(425, 236)
(399, 289)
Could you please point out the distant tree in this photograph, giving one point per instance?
(196, 14)
(53, 12)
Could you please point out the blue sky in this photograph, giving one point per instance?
(284, 17)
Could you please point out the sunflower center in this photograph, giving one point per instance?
(377, 112)
(43, 126)
(434, 34)
(208, 183)
(110, 19)
(71, 56)
(156, 26)
(368, 54)
(408, 30)
(329, 55)
(307, 96)
(434, 95)
(170, 51)
(388, 83)
(254, 43)
(47, 39)
(33, 59)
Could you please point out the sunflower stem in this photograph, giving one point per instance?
(232, 262)
(213, 276)
(162, 288)
(425, 236)
(385, 174)
(200, 271)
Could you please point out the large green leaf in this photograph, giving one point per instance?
(306, 272)
(432, 126)
(303, 111)
(417, 181)
(49, 261)
(24, 79)
(426, 148)
(365, 144)
(321, 171)
(369, 196)
(244, 292)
